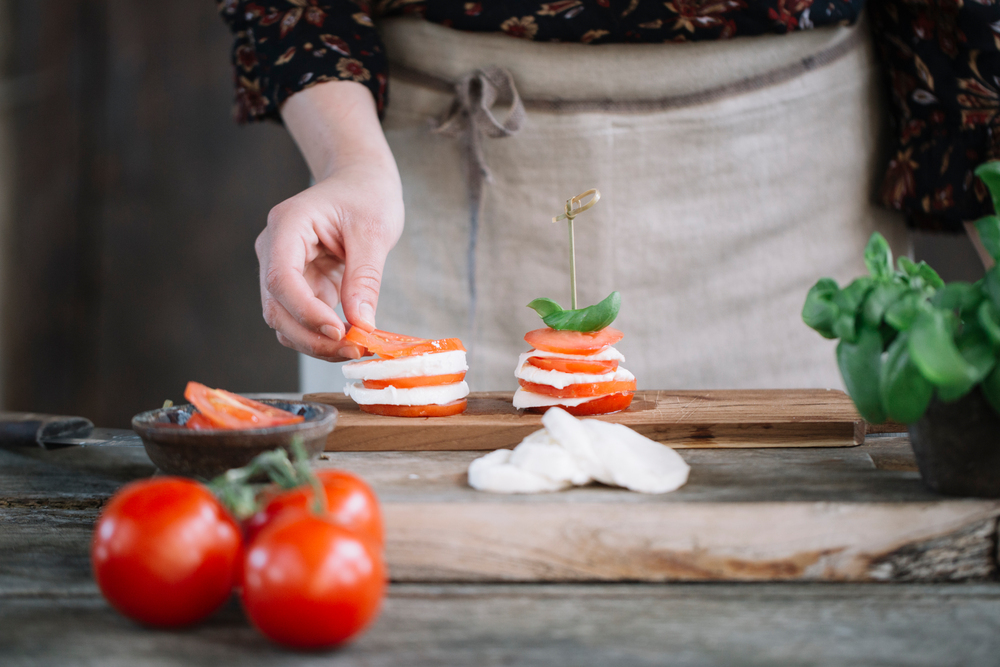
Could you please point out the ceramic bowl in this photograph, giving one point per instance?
(206, 453)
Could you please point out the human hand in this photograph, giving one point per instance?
(328, 244)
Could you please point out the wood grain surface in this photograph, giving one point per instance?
(683, 419)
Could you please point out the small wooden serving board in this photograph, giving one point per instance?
(695, 419)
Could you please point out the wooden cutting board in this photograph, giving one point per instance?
(698, 419)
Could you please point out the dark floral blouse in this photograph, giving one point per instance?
(941, 62)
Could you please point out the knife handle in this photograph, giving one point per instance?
(31, 428)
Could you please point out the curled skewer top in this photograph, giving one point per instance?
(576, 206)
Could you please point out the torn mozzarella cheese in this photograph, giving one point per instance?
(433, 395)
(560, 380)
(569, 451)
(432, 363)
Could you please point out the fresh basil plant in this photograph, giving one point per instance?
(906, 336)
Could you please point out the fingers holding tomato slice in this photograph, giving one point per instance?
(392, 346)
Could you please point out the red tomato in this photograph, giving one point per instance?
(197, 421)
(602, 405)
(165, 552)
(601, 367)
(572, 342)
(419, 381)
(579, 390)
(446, 410)
(350, 503)
(391, 346)
(310, 583)
(227, 410)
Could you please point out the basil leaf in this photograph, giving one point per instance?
(976, 348)
(860, 365)
(879, 300)
(991, 284)
(584, 320)
(991, 388)
(960, 296)
(989, 319)
(905, 392)
(907, 266)
(819, 311)
(989, 234)
(878, 257)
(848, 302)
(989, 172)
(929, 275)
(901, 315)
(934, 352)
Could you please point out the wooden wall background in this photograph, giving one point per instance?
(128, 262)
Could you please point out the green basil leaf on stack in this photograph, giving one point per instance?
(584, 320)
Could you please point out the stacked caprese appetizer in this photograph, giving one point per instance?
(576, 371)
(412, 377)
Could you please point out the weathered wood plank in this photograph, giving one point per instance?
(687, 419)
(600, 625)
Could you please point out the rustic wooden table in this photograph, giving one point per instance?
(52, 614)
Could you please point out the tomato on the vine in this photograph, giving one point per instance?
(309, 583)
(165, 552)
(350, 503)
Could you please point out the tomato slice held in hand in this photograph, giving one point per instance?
(603, 405)
(579, 390)
(572, 342)
(420, 381)
(310, 583)
(446, 410)
(350, 503)
(392, 346)
(601, 367)
(224, 409)
(165, 552)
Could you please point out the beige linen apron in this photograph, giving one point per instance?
(733, 175)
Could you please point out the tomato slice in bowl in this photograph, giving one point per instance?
(579, 390)
(446, 410)
(226, 410)
(602, 405)
(392, 346)
(600, 367)
(572, 342)
(419, 381)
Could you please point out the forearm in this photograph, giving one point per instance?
(335, 125)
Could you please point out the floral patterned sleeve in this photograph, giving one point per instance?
(284, 46)
(942, 65)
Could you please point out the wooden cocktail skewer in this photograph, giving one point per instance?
(574, 207)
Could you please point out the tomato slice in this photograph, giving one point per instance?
(572, 342)
(197, 421)
(224, 409)
(574, 365)
(446, 410)
(392, 346)
(602, 405)
(579, 390)
(419, 381)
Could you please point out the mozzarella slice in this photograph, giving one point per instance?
(436, 395)
(607, 354)
(560, 380)
(493, 472)
(433, 363)
(569, 451)
(529, 399)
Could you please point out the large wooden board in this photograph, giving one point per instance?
(684, 419)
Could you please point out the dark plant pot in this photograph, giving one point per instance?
(957, 446)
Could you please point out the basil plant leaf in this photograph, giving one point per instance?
(878, 257)
(929, 275)
(989, 234)
(907, 266)
(584, 320)
(989, 173)
(848, 302)
(960, 296)
(879, 300)
(860, 365)
(989, 319)
(991, 285)
(901, 314)
(819, 311)
(933, 350)
(975, 347)
(905, 392)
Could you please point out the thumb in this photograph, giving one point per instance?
(362, 280)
